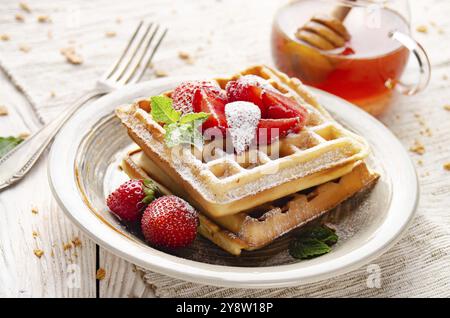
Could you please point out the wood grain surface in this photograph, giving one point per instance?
(220, 36)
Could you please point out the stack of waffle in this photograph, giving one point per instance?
(246, 201)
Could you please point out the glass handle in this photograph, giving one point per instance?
(421, 56)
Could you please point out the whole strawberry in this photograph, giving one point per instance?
(170, 222)
(129, 200)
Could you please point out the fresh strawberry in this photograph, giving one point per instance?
(213, 104)
(280, 106)
(248, 88)
(129, 200)
(271, 129)
(170, 222)
(183, 94)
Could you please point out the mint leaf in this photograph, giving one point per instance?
(194, 117)
(162, 110)
(8, 143)
(308, 248)
(322, 233)
(313, 242)
(178, 134)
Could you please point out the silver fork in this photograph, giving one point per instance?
(129, 68)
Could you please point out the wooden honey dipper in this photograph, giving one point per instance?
(326, 32)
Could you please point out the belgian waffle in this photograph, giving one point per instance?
(225, 184)
(260, 226)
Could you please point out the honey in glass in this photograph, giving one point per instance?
(363, 72)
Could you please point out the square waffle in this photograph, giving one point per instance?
(226, 184)
(260, 226)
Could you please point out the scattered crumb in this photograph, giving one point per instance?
(35, 234)
(118, 20)
(67, 246)
(420, 162)
(52, 94)
(101, 273)
(110, 34)
(76, 242)
(447, 107)
(422, 28)
(24, 135)
(185, 56)
(418, 148)
(43, 19)
(4, 37)
(19, 17)
(38, 253)
(34, 210)
(426, 132)
(160, 73)
(24, 48)
(71, 56)
(24, 7)
(447, 166)
(3, 110)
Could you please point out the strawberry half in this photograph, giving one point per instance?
(183, 94)
(212, 103)
(272, 129)
(280, 106)
(248, 88)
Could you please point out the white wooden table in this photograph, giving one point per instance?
(66, 270)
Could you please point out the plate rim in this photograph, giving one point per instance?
(220, 275)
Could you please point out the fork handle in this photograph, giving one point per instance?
(17, 162)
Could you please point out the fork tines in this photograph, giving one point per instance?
(138, 54)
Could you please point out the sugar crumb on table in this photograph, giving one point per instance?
(3, 110)
(67, 246)
(100, 274)
(417, 148)
(76, 242)
(44, 19)
(35, 234)
(447, 107)
(25, 7)
(160, 73)
(71, 55)
(34, 210)
(38, 252)
(422, 28)
(110, 34)
(24, 48)
(24, 135)
(5, 37)
(19, 17)
(447, 166)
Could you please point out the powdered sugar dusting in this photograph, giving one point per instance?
(254, 80)
(242, 119)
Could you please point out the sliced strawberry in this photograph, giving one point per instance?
(280, 106)
(183, 94)
(248, 88)
(271, 129)
(209, 102)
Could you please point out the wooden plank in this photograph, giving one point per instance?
(57, 273)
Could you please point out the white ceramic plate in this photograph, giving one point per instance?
(83, 169)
